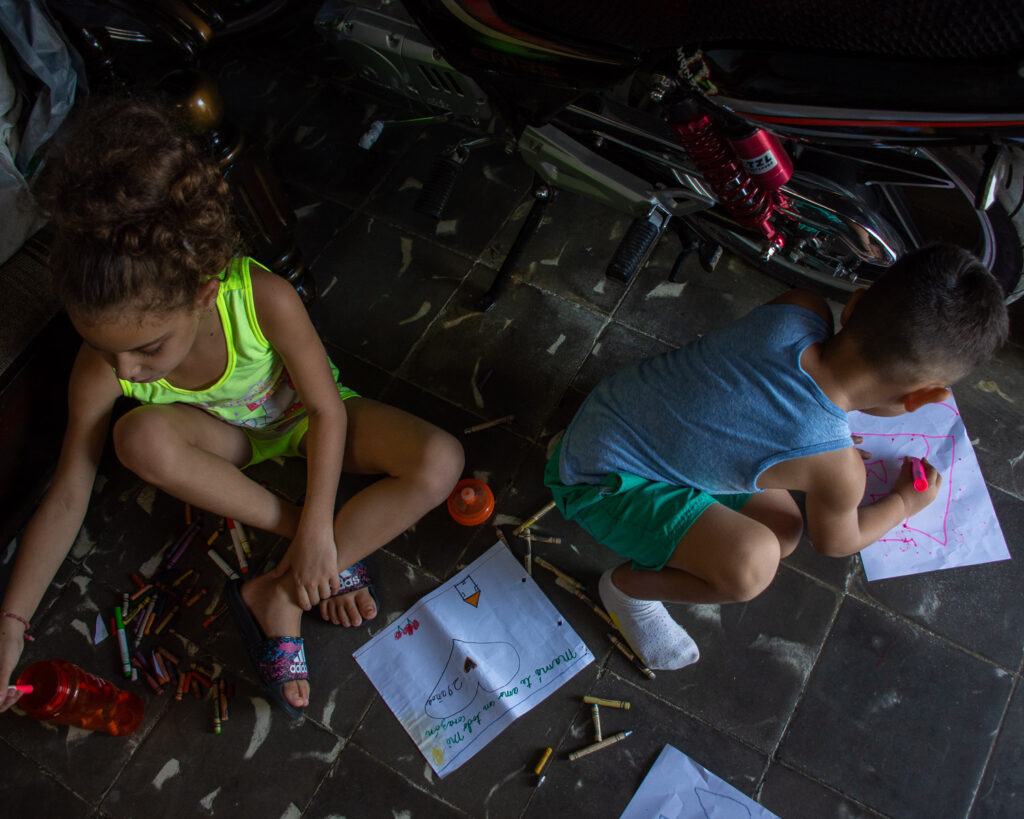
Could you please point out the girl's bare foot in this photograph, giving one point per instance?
(278, 616)
(349, 609)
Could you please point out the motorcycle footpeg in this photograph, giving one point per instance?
(634, 249)
(438, 188)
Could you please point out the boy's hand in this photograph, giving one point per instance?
(913, 500)
(12, 641)
(313, 564)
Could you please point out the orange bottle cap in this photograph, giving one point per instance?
(471, 502)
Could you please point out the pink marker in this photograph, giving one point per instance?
(920, 479)
(24, 689)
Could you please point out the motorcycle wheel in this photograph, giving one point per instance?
(995, 235)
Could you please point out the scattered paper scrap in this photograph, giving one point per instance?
(676, 787)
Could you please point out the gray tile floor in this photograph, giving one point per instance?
(826, 696)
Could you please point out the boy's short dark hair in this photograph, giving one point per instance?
(936, 313)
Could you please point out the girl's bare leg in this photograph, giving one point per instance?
(198, 459)
(420, 465)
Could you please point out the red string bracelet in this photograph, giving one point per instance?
(21, 620)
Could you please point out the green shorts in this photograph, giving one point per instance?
(285, 443)
(637, 518)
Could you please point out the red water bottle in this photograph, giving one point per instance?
(64, 693)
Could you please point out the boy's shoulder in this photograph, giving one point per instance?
(807, 299)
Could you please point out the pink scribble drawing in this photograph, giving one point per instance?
(911, 535)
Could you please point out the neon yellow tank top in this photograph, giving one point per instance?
(255, 391)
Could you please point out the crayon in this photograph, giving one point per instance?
(220, 611)
(502, 538)
(183, 682)
(528, 560)
(181, 578)
(216, 715)
(533, 519)
(543, 761)
(621, 646)
(575, 592)
(595, 715)
(183, 543)
(920, 478)
(488, 424)
(195, 597)
(597, 746)
(540, 539)
(557, 572)
(610, 703)
(222, 696)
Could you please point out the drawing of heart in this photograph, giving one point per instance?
(470, 667)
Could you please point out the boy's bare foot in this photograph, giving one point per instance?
(278, 616)
(349, 609)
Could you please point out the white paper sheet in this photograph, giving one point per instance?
(959, 528)
(676, 787)
(472, 656)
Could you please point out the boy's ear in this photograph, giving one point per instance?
(932, 394)
(850, 305)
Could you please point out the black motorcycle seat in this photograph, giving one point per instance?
(953, 30)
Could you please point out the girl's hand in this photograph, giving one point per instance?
(12, 641)
(913, 500)
(313, 566)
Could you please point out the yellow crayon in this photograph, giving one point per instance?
(610, 703)
(532, 520)
(597, 746)
(543, 761)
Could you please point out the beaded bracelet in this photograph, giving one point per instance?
(21, 620)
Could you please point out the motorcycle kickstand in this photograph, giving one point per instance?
(708, 252)
(543, 195)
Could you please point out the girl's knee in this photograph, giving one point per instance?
(440, 465)
(142, 443)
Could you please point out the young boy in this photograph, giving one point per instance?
(682, 463)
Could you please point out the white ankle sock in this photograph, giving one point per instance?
(661, 642)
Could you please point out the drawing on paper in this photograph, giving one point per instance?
(469, 591)
(472, 656)
(471, 667)
(959, 528)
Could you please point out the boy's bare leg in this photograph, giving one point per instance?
(420, 464)
(724, 557)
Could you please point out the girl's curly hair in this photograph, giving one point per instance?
(141, 217)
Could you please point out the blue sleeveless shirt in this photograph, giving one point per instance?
(713, 414)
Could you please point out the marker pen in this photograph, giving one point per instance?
(920, 479)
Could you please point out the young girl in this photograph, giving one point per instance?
(230, 372)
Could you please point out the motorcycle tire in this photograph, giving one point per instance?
(995, 235)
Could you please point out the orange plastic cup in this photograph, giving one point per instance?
(471, 502)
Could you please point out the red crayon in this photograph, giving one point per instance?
(920, 479)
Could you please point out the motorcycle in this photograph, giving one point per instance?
(819, 141)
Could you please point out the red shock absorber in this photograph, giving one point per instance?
(743, 195)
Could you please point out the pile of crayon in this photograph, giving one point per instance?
(157, 601)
